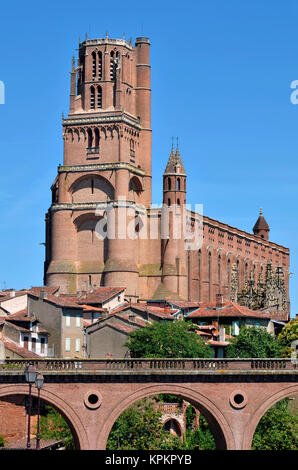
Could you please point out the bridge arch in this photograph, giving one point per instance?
(286, 392)
(218, 424)
(73, 420)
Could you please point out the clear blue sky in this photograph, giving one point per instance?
(221, 75)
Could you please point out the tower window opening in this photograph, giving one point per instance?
(93, 65)
(169, 183)
(112, 66)
(96, 139)
(92, 186)
(99, 97)
(169, 202)
(90, 138)
(118, 58)
(92, 97)
(99, 66)
(178, 184)
(132, 148)
(178, 202)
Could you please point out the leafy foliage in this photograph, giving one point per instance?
(166, 339)
(288, 334)
(197, 438)
(254, 342)
(53, 426)
(140, 428)
(2, 441)
(277, 429)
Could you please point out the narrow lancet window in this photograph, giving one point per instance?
(92, 97)
(99, 97)
(93, 65)
(99, 66)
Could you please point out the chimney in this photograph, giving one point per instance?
(12, 293)
(219, 300)
(132, 317)
(43, 294)
(222, 334)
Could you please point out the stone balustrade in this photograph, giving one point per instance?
(151, 365)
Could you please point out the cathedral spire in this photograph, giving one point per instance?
(175, 164)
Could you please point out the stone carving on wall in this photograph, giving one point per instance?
(268, 294)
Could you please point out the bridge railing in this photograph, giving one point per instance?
(148, 364)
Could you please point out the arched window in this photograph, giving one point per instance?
(178, 202)
(112, 66)
(169, 202)
(209, 276)
(132, 148)
(199, 275)
(118, 58)
(93, 65)
(169, 183)
(90, 138)
(92, 97)
(99, 97)
(99, 66)
(96, 137)
(229, 274)
(178, 184)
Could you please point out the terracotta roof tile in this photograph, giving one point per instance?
(229, 309)
(11, 346)
(99, 295)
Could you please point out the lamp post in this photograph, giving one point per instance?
(38, 383)
(30, 375)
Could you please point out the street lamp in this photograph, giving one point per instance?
(30, 375)
(38, 383)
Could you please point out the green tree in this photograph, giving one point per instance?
(53, 426)
(197, 439)
(140, 428)
(167, 339)
(253, 342)
(277, 429)
(288, 334)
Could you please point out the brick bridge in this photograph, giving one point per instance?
(232, 394)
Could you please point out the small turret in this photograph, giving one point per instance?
(261, 228)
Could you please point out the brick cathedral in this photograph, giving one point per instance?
(107, 165)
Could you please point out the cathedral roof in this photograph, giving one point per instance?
(175, 164)
(261, 223)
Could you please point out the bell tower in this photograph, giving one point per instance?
(174, 268)
(107, 165)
